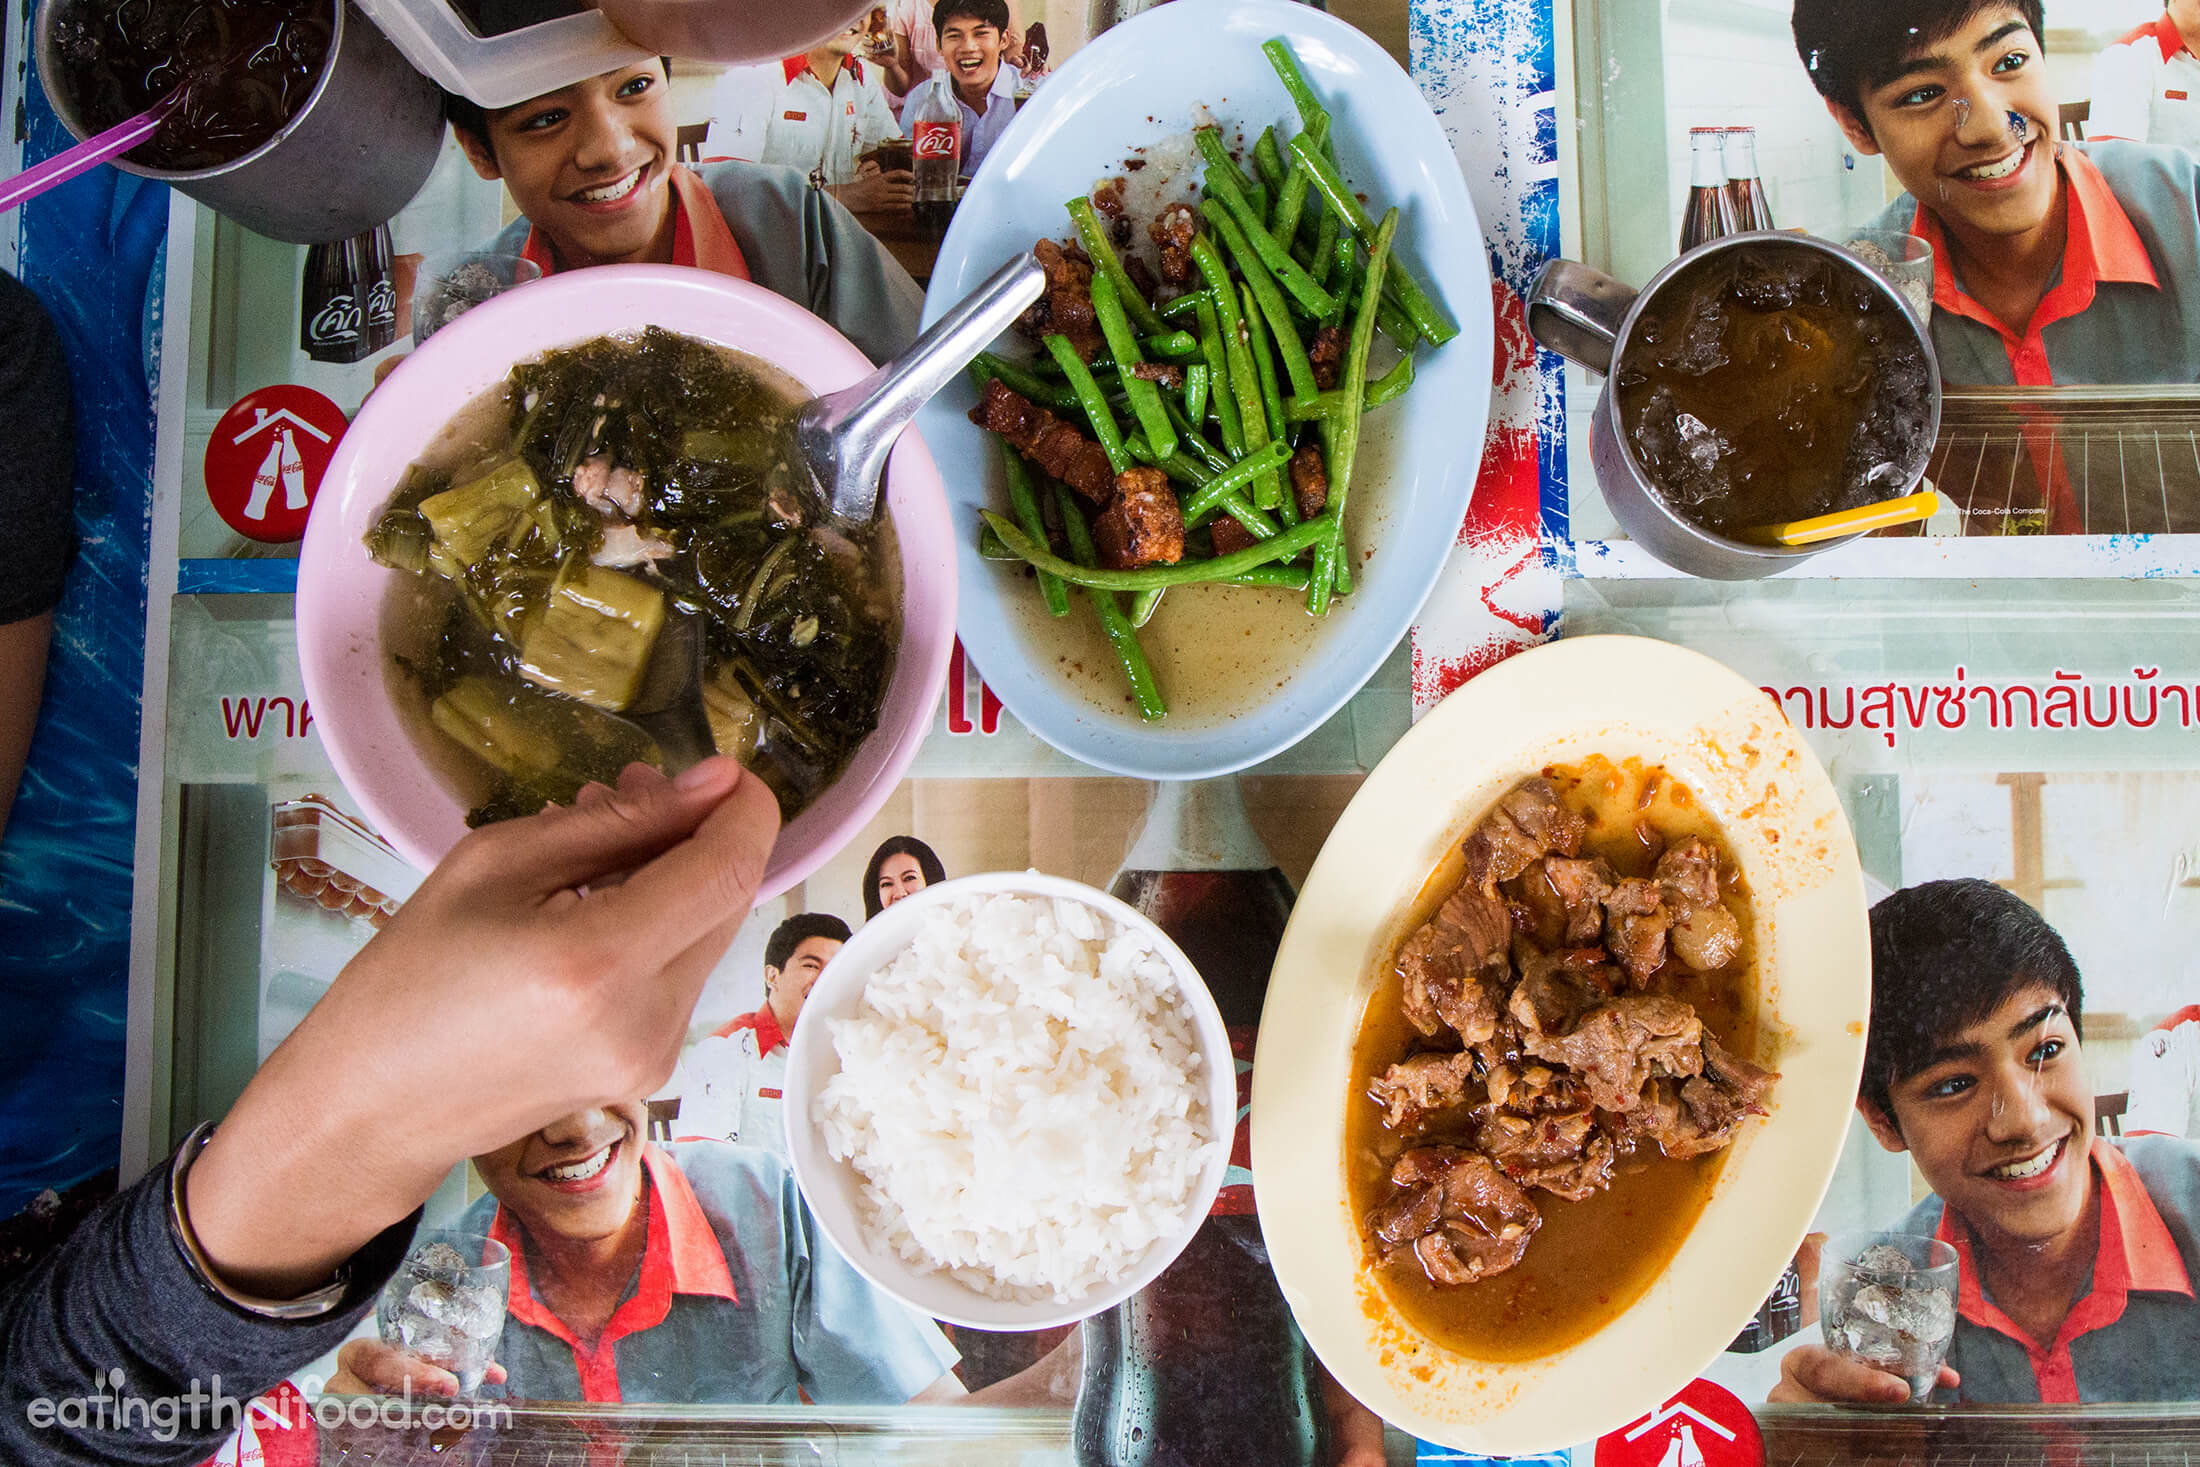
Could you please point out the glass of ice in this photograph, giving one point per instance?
(1904, 259)
(449, 285)
(1888, 1300)
(445, 1303)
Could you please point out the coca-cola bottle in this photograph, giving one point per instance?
(1778, 1317)
(1205, 1364)
(1710, 207)
(936, 143)
(1744, 185)
(348, 298)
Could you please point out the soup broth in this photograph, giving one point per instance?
(556, 522)
(1589, 1258)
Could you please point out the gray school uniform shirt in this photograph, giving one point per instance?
(801, 243)
(2127, 330)
(2134, 1332)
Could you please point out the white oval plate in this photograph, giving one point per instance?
(1141, 83)
(1621, 697)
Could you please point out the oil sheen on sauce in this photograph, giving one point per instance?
(1591, 1259)
(1216, 651)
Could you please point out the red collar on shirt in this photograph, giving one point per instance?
(700, 236)
(2184, 1015)
(2100, 244)
(794, 66)
(2136, 1253)
(769, 1036)
(2163, 32)
(680, 1256)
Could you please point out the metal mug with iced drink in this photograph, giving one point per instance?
(1888, 1300)
(445, 1304)
(1759, 379)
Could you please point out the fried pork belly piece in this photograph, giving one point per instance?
(1047, 441)
(1145, 524)
(1310, 481)
(1066, 308)
(1173, 230)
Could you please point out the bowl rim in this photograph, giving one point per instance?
(341, 591)
(1556, 703)
(1327, 48)
(811, 1061)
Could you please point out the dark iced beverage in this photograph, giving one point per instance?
(250, 66)
(1769, 383)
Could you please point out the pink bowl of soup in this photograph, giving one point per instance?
(358, 617)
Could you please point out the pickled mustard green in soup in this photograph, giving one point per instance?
(561, 517)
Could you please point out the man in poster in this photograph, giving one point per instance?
(2053, 263)
(594, 170)
(730, 1083)
(2077, 1253)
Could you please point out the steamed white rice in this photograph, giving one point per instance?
(1023, 1092)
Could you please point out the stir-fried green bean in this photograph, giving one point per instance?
(1184, 305)
(1196, 378)
(1291, 199)
(1023, 498)
(1324, 259)
(1022, 380)
(1188, 573)
(1220, 165)
(1145, 398)
(1428, 318)
(1344, 428)
(1271, 394)
(1268, 159)
(1317, 301)
(1389, 387)
(1121, 634)
(1097, 411)
(1284, 329)
(1221, 399)
(1281, 577)
(1238, 393)
(1244, 376)
(1311, 111)
(1093, 235)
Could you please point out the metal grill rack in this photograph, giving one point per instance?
(2069, 460)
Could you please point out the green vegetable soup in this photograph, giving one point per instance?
(557, 522)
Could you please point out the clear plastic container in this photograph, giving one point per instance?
(501, 70)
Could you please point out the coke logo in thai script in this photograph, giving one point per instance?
(337, 320)
(938, 140)
(382, 302)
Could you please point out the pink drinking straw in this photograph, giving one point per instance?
(89, 154)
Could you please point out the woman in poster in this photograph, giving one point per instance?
(901, 866)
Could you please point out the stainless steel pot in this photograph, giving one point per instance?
(354, 154)
(1589, 318)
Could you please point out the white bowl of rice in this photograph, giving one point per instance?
(1010, 1101)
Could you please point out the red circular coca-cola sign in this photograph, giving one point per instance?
(266, 458)
(1704, 1426)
